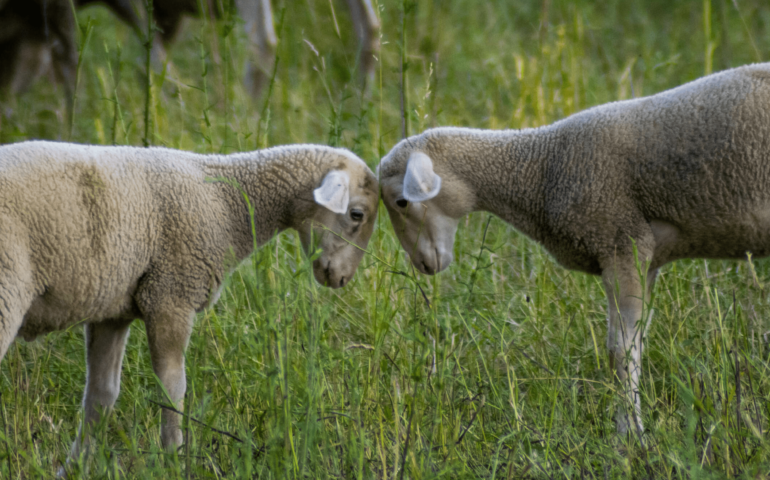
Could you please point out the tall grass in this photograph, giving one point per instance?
(495, 368)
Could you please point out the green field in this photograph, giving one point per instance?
(495, 368)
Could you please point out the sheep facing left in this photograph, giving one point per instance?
(112, 234)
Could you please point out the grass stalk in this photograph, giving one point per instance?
(148, 45)
(85, 37)
(406, 7)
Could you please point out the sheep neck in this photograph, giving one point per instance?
(506, 171)
(278, 189)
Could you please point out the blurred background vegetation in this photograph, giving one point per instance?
(493, 369)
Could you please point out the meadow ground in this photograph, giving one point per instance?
(495, 368)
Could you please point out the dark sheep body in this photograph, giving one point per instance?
(38, 36)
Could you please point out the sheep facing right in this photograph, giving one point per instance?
(106, 235)
(681, 174)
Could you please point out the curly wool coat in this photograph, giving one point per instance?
(681, 174)
(107, 235)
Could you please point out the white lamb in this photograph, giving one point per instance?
(107, 235)
(681, 174)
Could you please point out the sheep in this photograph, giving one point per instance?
(681, 174)
(258, 20)
(37, 37)
(107, 235)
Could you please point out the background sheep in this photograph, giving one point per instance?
(37, 37)
(111, 234)
(681, 174)
(258, 18)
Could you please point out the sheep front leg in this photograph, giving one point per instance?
(105, 344)
(625, 297)
(11, 316)
(168, 331)
(16, 287)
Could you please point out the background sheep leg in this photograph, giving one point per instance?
(624, 336)
(367, 26)
(168, 331)
(257, 16)
(105, 344)
(61, 21)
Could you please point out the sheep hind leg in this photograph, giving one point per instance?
(105, 345)
(12, 312)
(626, 298)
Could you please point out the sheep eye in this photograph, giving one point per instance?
(402, 203)
(357, 215)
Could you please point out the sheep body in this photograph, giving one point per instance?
(681, 174)
(104, 212)
(107, 235)
(680, 157)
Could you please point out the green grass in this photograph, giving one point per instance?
(504, 374)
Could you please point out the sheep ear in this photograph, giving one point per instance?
(420, 182)
(334, 192)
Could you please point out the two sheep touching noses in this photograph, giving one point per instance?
(112, 234)
(681, 174)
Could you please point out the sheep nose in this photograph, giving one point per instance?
(443, 259)
(327, 275)
(342, 282)
(427, 268)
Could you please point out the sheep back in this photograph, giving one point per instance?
(693, 159)
(97, 221)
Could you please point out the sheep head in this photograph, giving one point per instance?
(425, 207)
(342, 224)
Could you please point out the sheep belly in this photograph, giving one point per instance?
(50, 312)
(572, 253)
(730, 238)
(87, 285)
